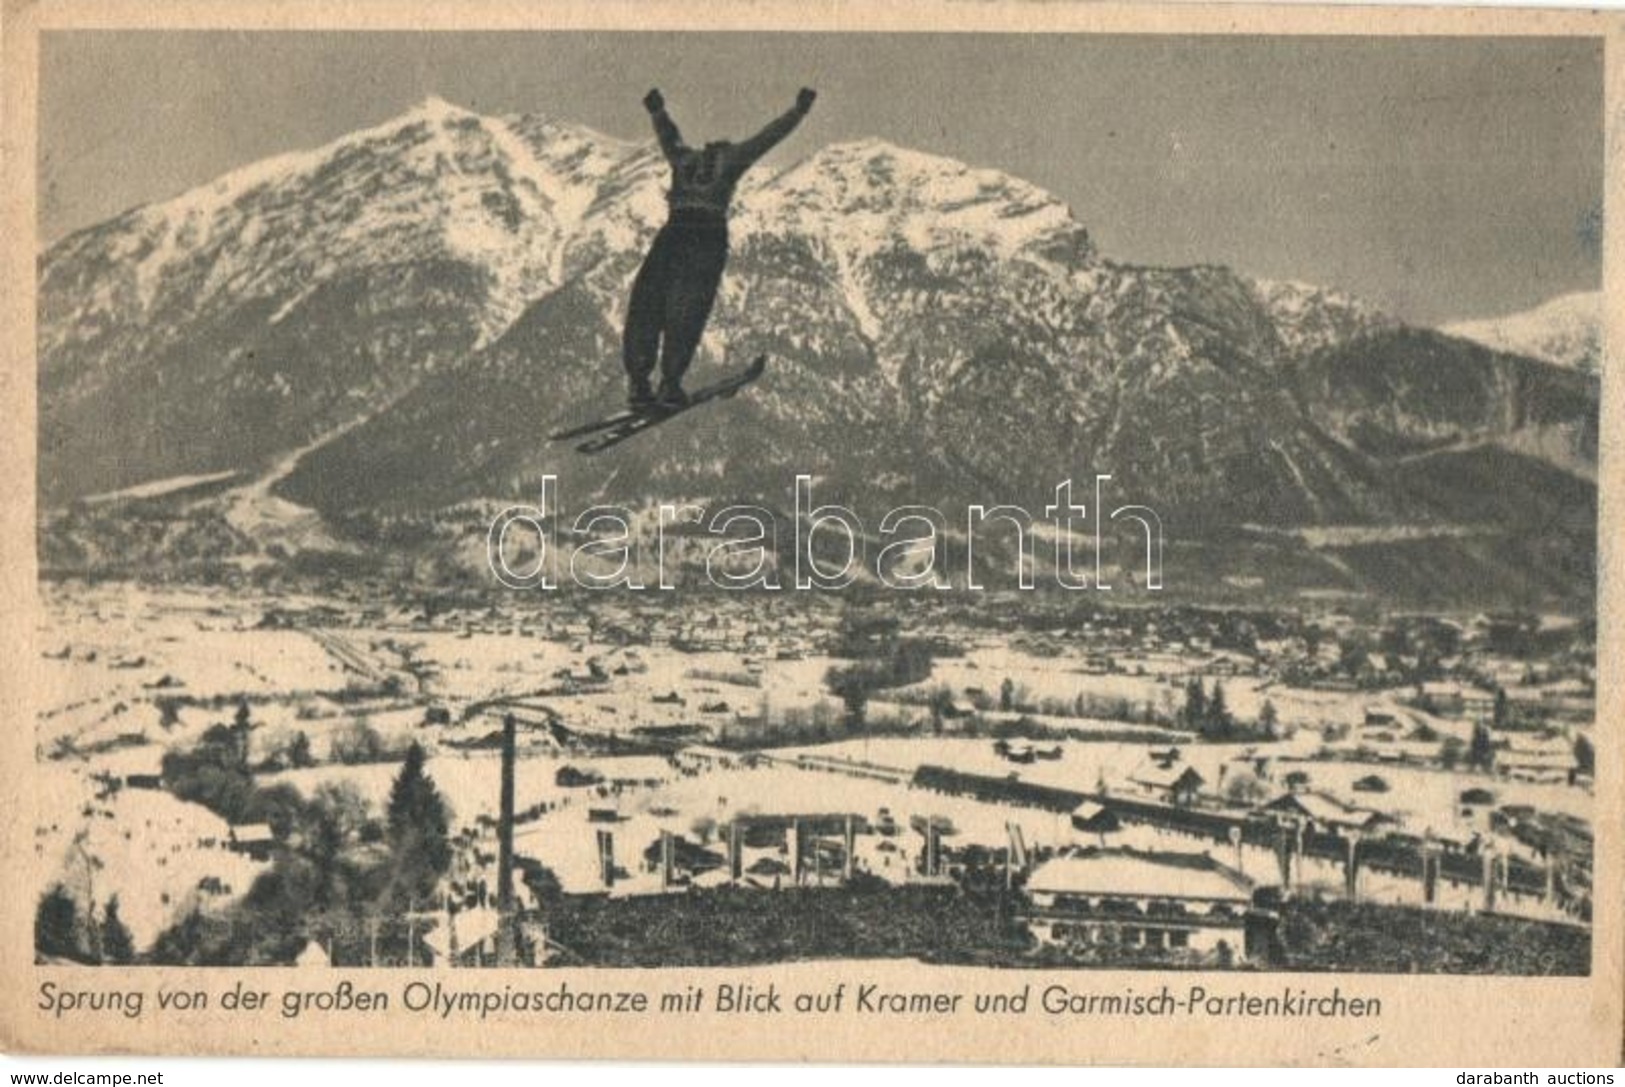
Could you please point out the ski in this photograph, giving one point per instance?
(618, 428)
(601, 424)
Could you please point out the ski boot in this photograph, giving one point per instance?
(642, 398)
(671, 397)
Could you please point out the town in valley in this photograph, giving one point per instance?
(342, 775)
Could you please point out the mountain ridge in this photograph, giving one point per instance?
(447, 288)
(1565, 330)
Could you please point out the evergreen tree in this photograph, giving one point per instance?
(299, 753)
(1007, 695)
(1268, 718)
(418, 822)
(1195, 704)
(56, 925)
(1481, 752)
(1208, 712)
(1218, 715)
(240, 727)
(855, 699)
(1585, 755)
(118, 946)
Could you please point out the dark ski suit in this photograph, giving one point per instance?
(677, 284)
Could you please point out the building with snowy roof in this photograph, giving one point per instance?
(1157, 902)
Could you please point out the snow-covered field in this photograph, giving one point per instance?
(149, 849)
(128, 674)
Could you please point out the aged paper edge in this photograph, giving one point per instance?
(1470, 1022)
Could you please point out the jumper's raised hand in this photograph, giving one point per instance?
(805, 99)
(654, 101)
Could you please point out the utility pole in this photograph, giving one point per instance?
(94, 929)
(507, 952)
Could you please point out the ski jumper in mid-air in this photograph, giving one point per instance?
(677, 284)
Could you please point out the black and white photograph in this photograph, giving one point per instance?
(1065, 507)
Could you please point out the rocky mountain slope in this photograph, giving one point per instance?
(418, 305)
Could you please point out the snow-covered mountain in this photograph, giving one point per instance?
(417, 305)
(1566, 330)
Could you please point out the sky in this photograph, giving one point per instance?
(1437, 178)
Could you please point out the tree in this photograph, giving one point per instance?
(1481, 752)
(324, 843)
(299, 753)
(851, 685)
(169, 713)
(1450, 752)
(281, 807)
(1296, 780)
(1503, 712)
(1351, 654)
(1244, 788)
(942, 700)
(1585, 755)
(1195, 712)
(346, 803)
(358, 742)
(118, 946)
(418, 822)
(1219, 721)
(1268, 718)
(910, 663)
(218, 747)
(414, 799)
(241, 726)
(183, 943)
(56, 925)
(1007, 695)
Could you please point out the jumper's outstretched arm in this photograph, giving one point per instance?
(777, 129)
(671, 140)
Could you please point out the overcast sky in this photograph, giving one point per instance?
(1439, 178)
